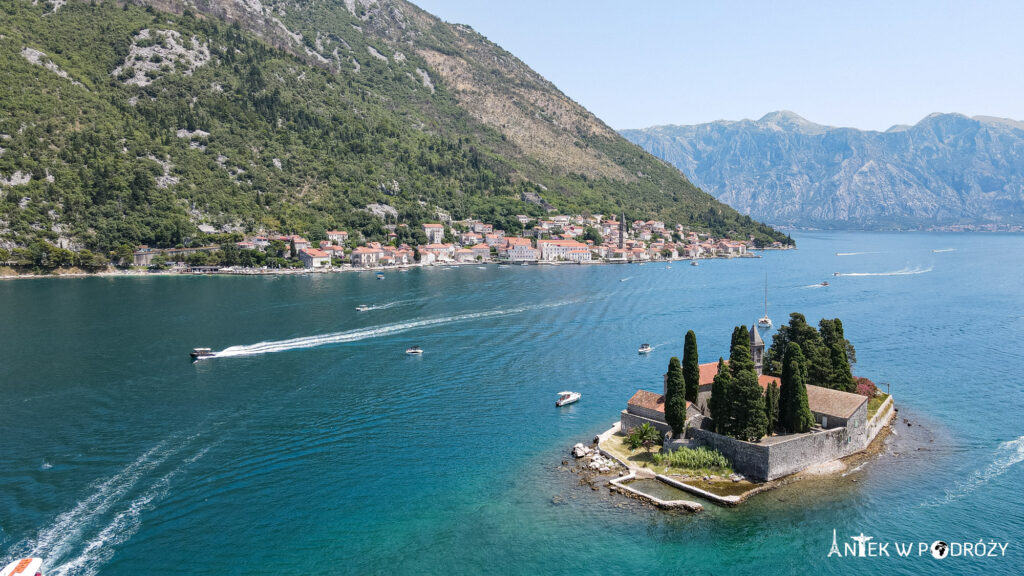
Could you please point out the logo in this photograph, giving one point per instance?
(864, 546)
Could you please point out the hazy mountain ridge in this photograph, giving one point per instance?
(946, 169)
(136, 123)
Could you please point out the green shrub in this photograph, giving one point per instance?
(694, 459)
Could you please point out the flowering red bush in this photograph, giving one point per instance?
(866, 387)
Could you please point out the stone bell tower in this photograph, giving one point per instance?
(756, 349)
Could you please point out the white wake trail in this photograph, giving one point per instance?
(1007, 455)
(856, 253)
(365, 333)
(903, 272)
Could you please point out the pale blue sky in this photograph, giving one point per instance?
(866, 64)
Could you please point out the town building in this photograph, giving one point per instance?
(314, 258)
(434, 232)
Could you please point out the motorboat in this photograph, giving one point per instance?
(24, 567)
(200, 353)
(362, 308)
(645, 349)
(668, 267)
(380, 275)
(694, 263)
(824, 284)
(414, 351)
(836, 274)
(567, 398)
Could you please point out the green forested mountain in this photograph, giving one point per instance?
(137, 123)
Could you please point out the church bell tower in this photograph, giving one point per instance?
(756, 349)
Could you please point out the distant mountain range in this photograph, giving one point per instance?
(946, 170)
(149, 121)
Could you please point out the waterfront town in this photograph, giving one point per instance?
(558, 239)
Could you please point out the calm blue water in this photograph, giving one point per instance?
(118, 456)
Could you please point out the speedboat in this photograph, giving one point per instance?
(482, 267)
(836, 274)
(24, 567)
(567, 398)
(668, 267)
(200, 353)
(694, 263)
(380, 275)
(645, 349)
(414, 351)
(362, 308)
(824, 284)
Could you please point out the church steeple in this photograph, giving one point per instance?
(756, 349)
(622, 230)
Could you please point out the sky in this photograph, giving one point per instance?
(863, 64)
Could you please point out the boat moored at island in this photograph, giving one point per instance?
(567, 398)
(200, 353)
(765, 322)
(645, 349)
(24, 567)
(414, 351)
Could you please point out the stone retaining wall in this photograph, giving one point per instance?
(630, 421)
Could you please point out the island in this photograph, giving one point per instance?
(732, 428)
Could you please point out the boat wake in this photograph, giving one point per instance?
(903, 272)
(943, 250)
(81, 540)
(1008, 454)
(856, 253)
(365, 333)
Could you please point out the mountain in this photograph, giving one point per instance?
(947, 169)
(142, 122)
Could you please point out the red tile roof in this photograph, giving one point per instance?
(315, 253)
(650, 401)
(710, 370)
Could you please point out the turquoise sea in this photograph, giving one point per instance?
(313, 445)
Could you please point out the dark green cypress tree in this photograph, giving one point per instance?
(719, 402)
(675, 398)
(771, 407)
(840, 375)
(749, 417)
(691, 367)
(794, 414)
(739, 354)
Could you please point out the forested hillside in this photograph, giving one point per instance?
(122, 125)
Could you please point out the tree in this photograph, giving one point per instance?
(794, 414)
(840, 376)
(592, 234)
(739, 353)
(816, 354)
(124, 256)
(675, 398)
(691, 367)
(719, 402)
(771, 407)
(643, 435)
(749, 417)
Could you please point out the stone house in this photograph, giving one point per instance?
(314, 258)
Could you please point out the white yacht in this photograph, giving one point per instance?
(200, 353)
(765, 322)
(24, 567)
(645, 349)
(362, 308)
(567, 398)
(414, 351)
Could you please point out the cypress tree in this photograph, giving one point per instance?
(840, 375)
(749, 416)
(739, 354)
(675, 398)
(794, 414)
(771, 407)
(719, 402)
(691, 367)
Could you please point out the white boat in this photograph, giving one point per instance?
(380, 275)
(24, 567)
(645, 349)
(414, 351)
(668, 267)
(362, 308)
(200, 353)
(482, 267)
(567, 398)
(694, 263)
(765, 322)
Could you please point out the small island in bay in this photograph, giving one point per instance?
(728, 429)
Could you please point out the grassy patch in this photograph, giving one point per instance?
(680, 462)
(874, 403)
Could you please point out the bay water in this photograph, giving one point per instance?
(313, 445)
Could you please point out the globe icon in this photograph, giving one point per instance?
(940, 549)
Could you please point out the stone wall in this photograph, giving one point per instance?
(628, 421)
(882, 417)
(785, 456)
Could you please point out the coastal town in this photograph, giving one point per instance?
(573, 239)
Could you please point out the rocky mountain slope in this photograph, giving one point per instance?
(947, 169)
(142, 122)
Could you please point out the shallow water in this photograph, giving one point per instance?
(314, 445)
